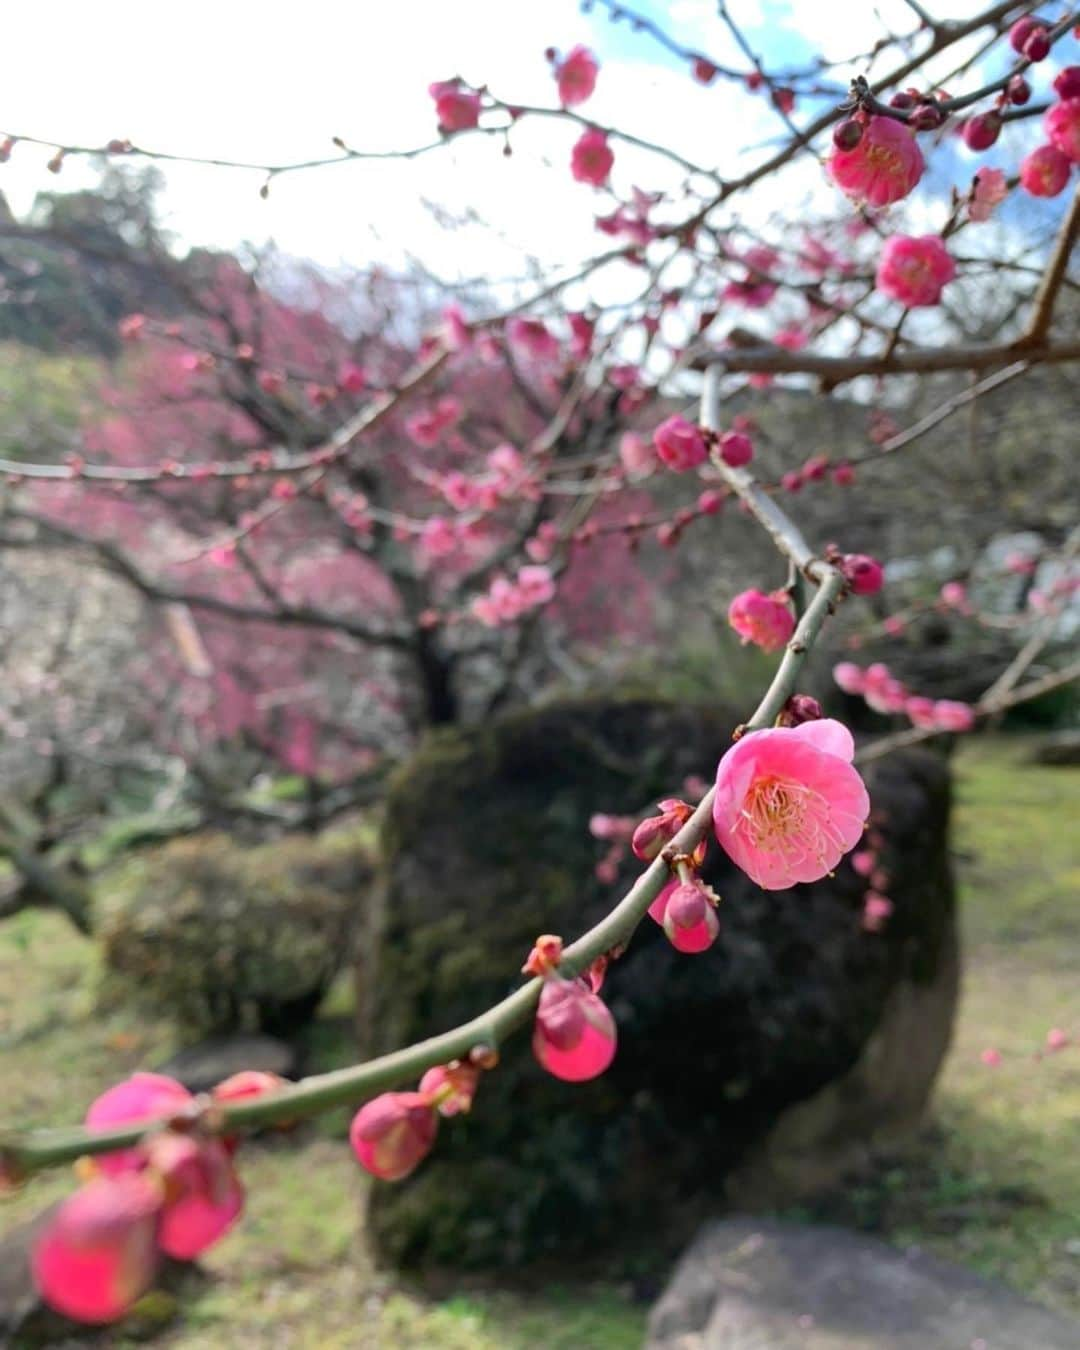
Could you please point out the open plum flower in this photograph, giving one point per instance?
(789, 803)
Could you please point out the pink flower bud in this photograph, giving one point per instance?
(203, 1194)
(864, 861)
(143, 1096)
(1021, 30)
(877, 909)
(450, 1087)
(652, 835)
(921, 712)
(98, 1254)
(865, 575)
(392, 1134)
(736, 449)
(954, 594)
(592, 158)
(1067, 82)
(1056, 1039)
(765, 620)
(704, 71)
(575, 1036)
(991, 1058)
(685, 912)
(679, 444)
(843, 475)
(576, 77)
(950, 715)
(849, 677)
(1062, 127)
(798, 709)
(982, 130)
(352, 379)
(1037, 47)
(1045, 172)
(847, 134)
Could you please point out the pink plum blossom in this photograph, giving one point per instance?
(680, 446)
(98, 1254)
(988, 191)
(954, 595)
(574, 1037)
(1045, 172)
(951, 715)
(534, 338)
(575, 76)
(849, 677)
(203, 1194)
(991, 1058)
(457, 108)
(765, 620)
(582, 331)
(883, 167)
(392, 1134)
(877, 909)
(1062, 127)
(636, 455)
(591, 158)
(438, 538)
(921, 712)
(789, 803)
(914, 269)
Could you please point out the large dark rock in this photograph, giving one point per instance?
(747, 1284)
(759, 1066)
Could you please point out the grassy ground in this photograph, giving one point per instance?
(993, 1183)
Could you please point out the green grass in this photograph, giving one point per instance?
(294, 1272)
(994, 1181)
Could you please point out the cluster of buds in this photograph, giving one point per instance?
(886, 694)
(173, 1194)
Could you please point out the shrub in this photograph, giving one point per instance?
(219, 935)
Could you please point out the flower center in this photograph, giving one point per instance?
(774, 811)
(784, 817)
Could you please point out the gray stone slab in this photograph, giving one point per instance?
(748, 1284)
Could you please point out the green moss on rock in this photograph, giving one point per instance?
(219, 935)
(487, 844)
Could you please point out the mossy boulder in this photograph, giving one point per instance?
(486, 845)
(221, 936)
